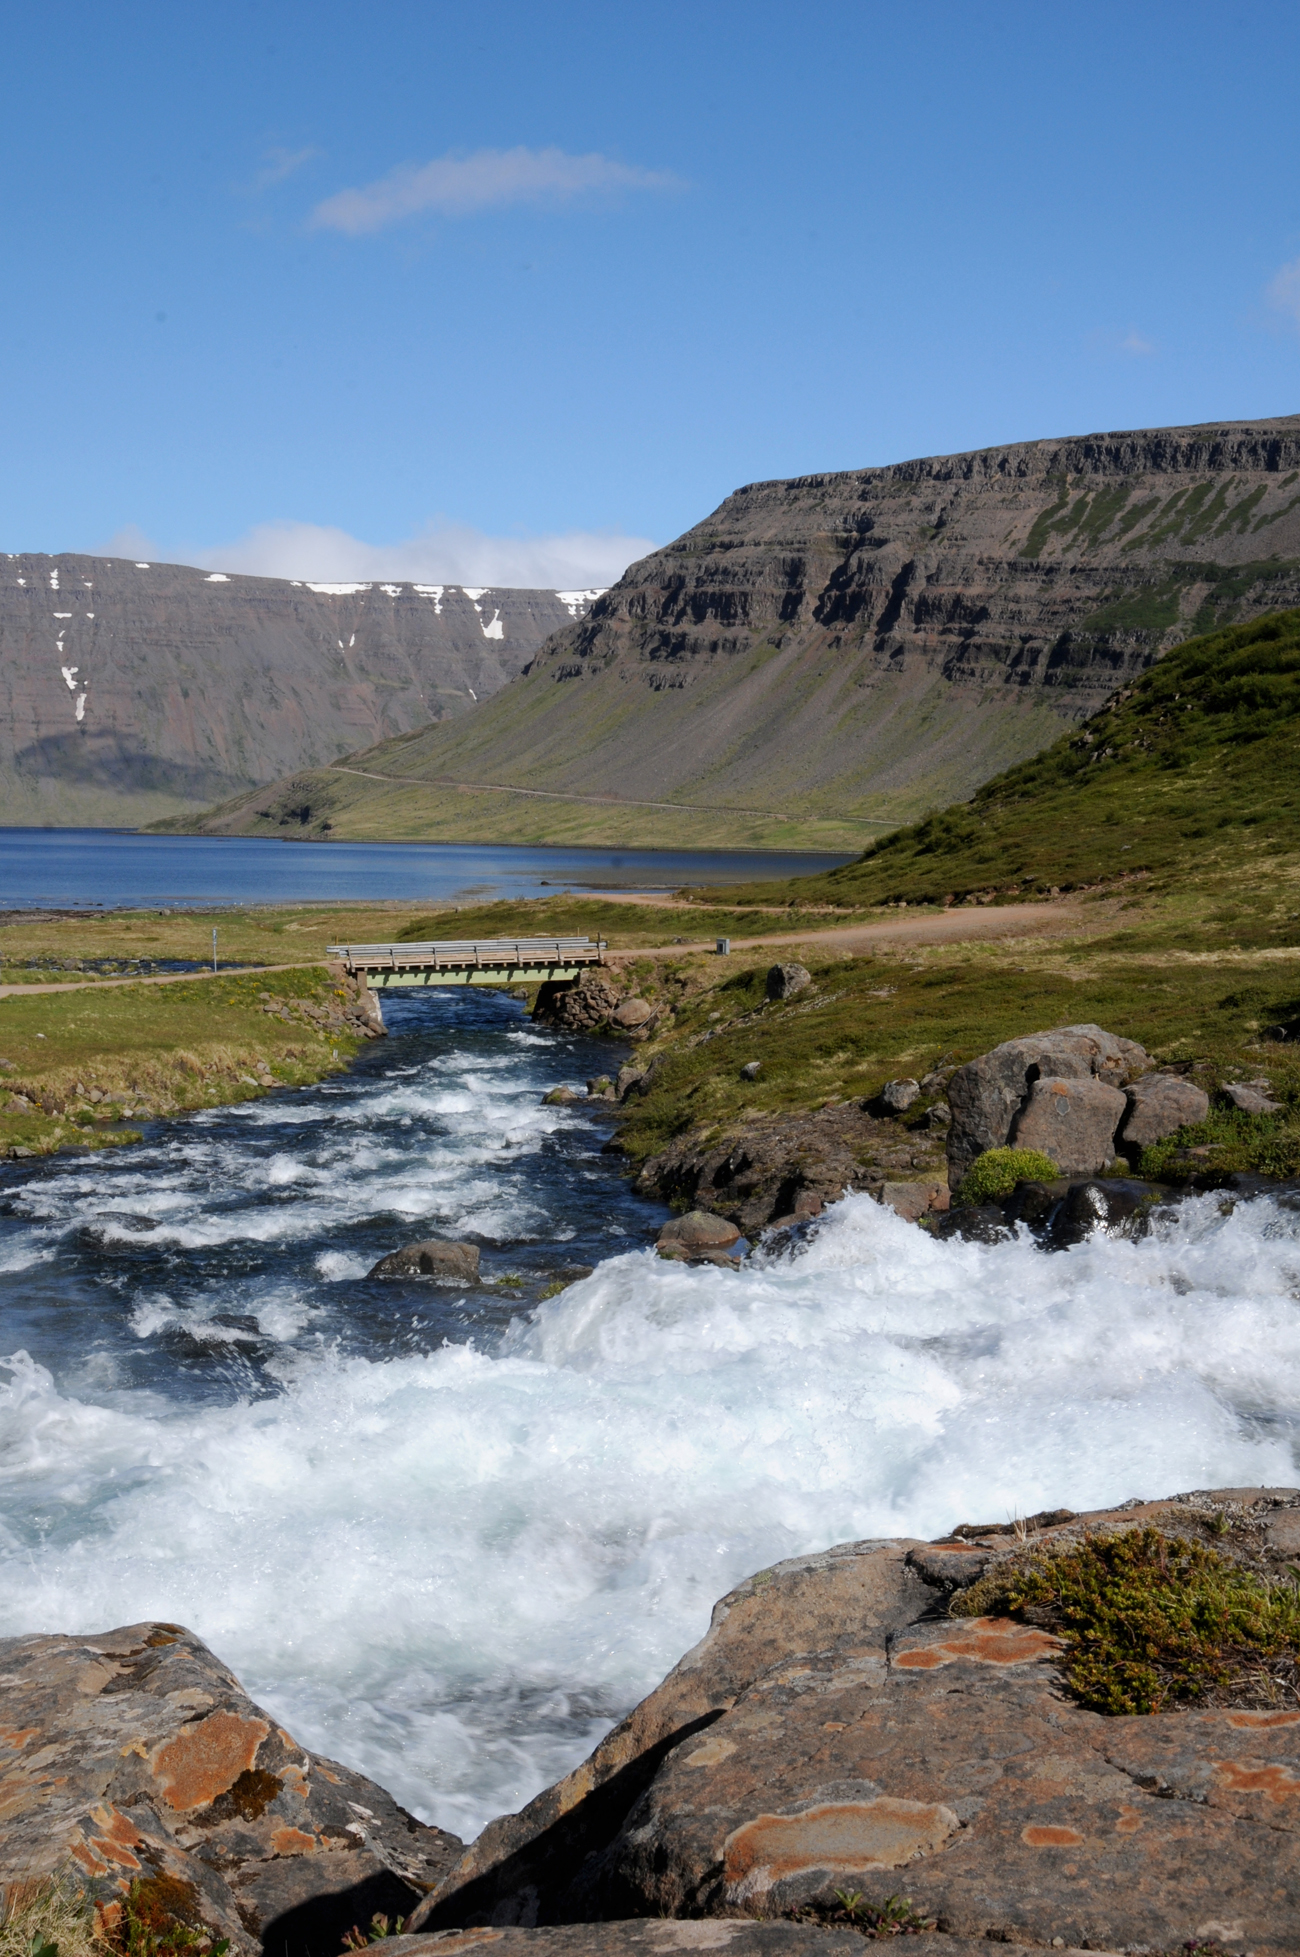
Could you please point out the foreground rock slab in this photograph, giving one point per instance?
(740, 1936)
(837, 1729)
(135, 1754)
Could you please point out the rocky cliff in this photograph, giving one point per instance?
(838, 649)
(131, 691)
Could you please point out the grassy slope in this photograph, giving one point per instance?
(1189, 775)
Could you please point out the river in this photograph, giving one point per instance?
(448, 1535)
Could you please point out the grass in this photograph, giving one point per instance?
(48, 1917)
(162, 1049)
(1236, 1143)
(851, 1910)
(1149, 1621)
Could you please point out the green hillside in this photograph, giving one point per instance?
(1190, 774)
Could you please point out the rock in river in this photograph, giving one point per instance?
(431, 1259)
(698, 1236)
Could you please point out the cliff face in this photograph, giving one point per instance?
(863, 645)
(134, 691)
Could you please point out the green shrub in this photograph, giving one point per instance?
(1147, 1619)
(994, 1174)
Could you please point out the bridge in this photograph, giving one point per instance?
(471, 961)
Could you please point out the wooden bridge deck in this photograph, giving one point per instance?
(472, 961)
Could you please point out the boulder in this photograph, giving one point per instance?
(837, 1731)
(601, 1089)
(1160, 1104)
(898, 1095)
(631, 1014)
(699, 1236)
(558, 1097)
(1073, 1122)
(135, 1754)
(751, 1070)
(987, 1094)
(913, 1199)
(783, 981)
(1252, 1098)
(431, 1259)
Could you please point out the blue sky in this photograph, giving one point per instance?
(499, 292)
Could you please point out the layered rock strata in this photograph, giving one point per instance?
(875, 642)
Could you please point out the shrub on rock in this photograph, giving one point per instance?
(995, 1173)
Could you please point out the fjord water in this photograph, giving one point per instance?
(50, 868)
(448, 1536)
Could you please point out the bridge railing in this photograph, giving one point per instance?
(452, 953)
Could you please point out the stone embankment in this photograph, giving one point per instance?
(842, 1729)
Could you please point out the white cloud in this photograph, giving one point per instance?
(1284, 290)
(438, 554)
(1133, 342)
(281, 163)
(455, 185)
(130, 541)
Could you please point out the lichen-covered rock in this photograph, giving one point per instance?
(522, 1867)
(987, 1095)
(134, 1754)
(433, 1258)
(641, 1937)
(1159, 1105)
(836, 1730)
(1073, 1122)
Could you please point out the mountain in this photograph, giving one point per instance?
(1185, 781)
(129, 692)
(829, 656)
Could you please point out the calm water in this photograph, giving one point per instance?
(65, 867)
(448, 1535)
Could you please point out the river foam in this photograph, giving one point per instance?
(453, 1568)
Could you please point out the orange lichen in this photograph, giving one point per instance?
(206, 1759)
(989, 1641)
(1036, 1837)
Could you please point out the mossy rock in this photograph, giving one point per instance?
(993, 1175)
